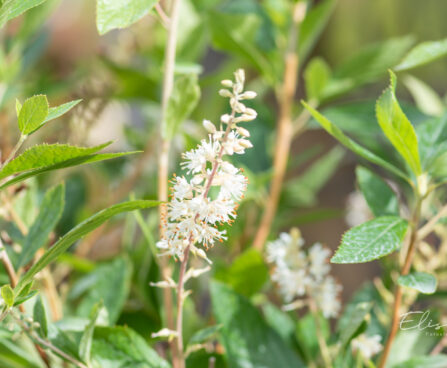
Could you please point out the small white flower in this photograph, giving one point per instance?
(367, 346)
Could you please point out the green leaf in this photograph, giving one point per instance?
(183, 100)
(10, 9)
(306, 334)
(60, 110)
(397, 127)
(247, 274)
(420, 281)
(352, 145)
(85, 345)
(371, 240)
(422, 54)
(280, 321)
(109, 282)
(249, 342)
(204, 334)
(303, 190)
(436, 361)
(115, 347)
(313, 25)
(432, 137)
(40, 316)
(357, 317)
(18, 107)
(32, 114)
(316, 75)
(380, 197)
(120, 13)
(51, 211)
(77, 233)
(426, 98)
(7, 295)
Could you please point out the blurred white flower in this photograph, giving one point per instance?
(367, 346)
(299, 273)
(193, 217)
(357, 210)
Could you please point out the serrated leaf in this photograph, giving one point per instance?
(77, 233)
(420, 281)
(7, 295)
(422, 54)
(32, 114)
(380, 197)
(316, 75)
(397, 127)
(10, 9)
(249, 342)
(371, 240)
(57, 111)
(184, 98)
(51, 211)
(123, 347)
(85, 345)
(333, 130)
(40, 316)
(120, 13)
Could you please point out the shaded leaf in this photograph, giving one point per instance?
(85, 345)
(357, 317)
(204, 334)
(40, 316)
(371, 240)
(77, 233)
(420, 281)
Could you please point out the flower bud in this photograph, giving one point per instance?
(248, 95)
(209, 126)
(227, 83)
(225, 118)
(240, 76)
(245, 143)
(243, 132)
(225, 93)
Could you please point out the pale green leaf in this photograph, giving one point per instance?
(116, 347)
(10, 9)
(371, 240)
(435, 361)
(422, 54)
(112, 14)
(316, 75)
(18, 107)
(352, 145)
(32, 114)
(77, 233)
(40, 316)
(60, 110)
(397, 127)
(249, 342)
(184, 98)
(7, 295)
(420, 281)
(49, 215)
(380, 197)
(426, 98)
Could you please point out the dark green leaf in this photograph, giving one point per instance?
(357, 317)
(49, 215)
(397, 127)
(422, 54)
(371, 240)
(32, 114)
(380, 197)
(420, 281)
(40, 316)
(352, 145)
(249, 342)
(121, 347)
(432, 137)
(204, 334)
(120, 13)
(77, 233)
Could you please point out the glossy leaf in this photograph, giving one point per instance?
(249, 342)
(183, 100)
(422, 54)
(420, 281)
(77, 233)
(352, 145)
(397, 127)
(371, 240)
(40, 316)
(120, 13)
(49, 215)
(32, 114)
(380, 197)
(122, 347)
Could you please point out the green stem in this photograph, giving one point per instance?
(14, 150)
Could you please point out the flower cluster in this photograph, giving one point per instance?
(367, 346)
(299, 273)
(193, 214)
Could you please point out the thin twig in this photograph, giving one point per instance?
(325, 354)
(14, 150)
(425, 230)
(285, 129)
(165, 21)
